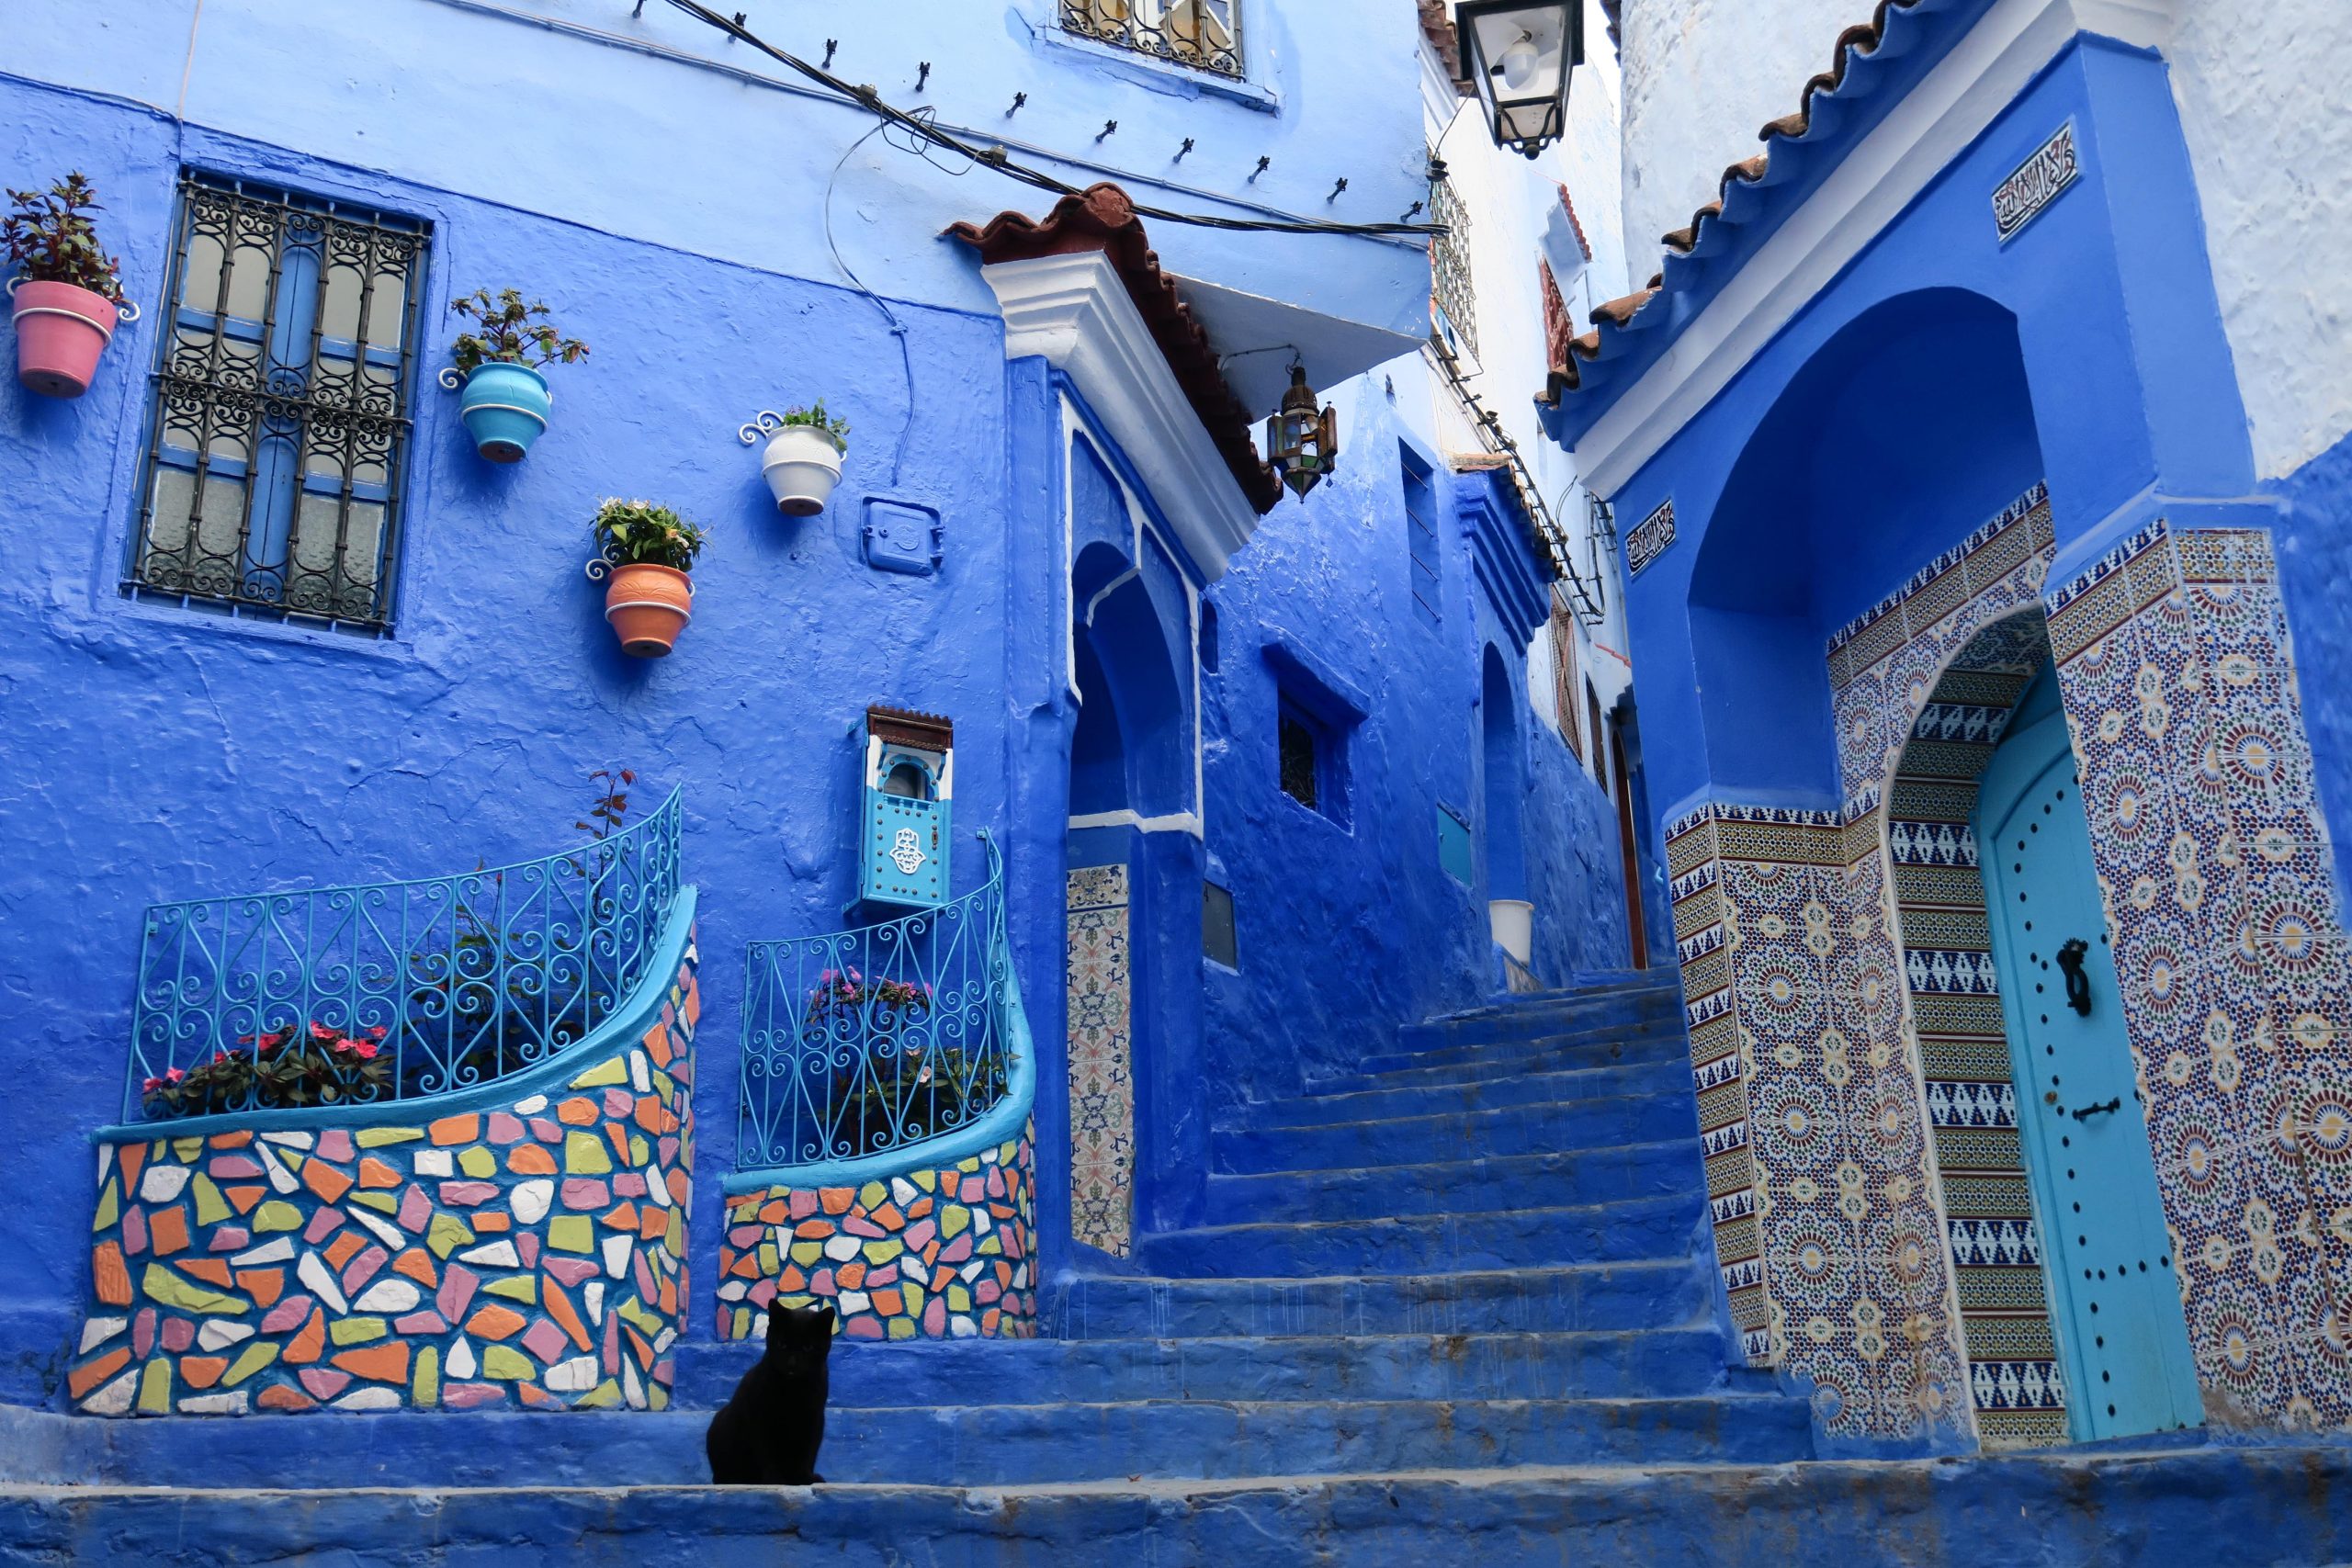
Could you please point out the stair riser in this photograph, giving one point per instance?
(1013, 1444)
(1528, 1021)
(1653, 1228)
(1637, 1364)
(1610, 1048)
(1439, 1100)
(1535, 1129)
(1459, 1051)
(1599, 1176)
(2217, 1508)
(1635, 1296)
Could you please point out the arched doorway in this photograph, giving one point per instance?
(2117, 1301)
(1134, 862)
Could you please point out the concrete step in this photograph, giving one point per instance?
(1573, 1297)
(1412, 1140)
(2216, 1508)
(1610, 1173)
(1601, 1365)
(1542, 1015)
(1453, 1050)
(1666, 1074)
(1504, 1238)
(1470, 1064)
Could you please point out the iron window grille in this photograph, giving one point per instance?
(1205, 34)
(1302, 776)
(1453, 301)
(278, 423)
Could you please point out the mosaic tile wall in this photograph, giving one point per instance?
(1101, 1083)
(2180, 692)
(937, 1252)
(530, 1256)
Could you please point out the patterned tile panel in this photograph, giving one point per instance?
(2181, 693)
(1101, 1081)
(936, 1252)
(533, 1256)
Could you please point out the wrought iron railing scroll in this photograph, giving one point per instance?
(394, 990)
(878, 1038)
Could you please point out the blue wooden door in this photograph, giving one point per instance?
(2113, 1292)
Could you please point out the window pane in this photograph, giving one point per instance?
(1218, 941)
(1298, 743)
(290, 377)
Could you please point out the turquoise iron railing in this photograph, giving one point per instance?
(395, 989)
(878, 1038)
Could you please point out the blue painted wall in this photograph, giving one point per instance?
(1346, 932)
(2312, 537)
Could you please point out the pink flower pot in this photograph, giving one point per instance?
(61, 332)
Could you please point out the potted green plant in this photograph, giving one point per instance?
(648, 551)
(803, 461)
(67, 291)
(506, 401)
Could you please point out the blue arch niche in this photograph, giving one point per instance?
(1500, 759)
(1908, 428)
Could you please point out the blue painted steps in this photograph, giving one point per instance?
(1568, 1176)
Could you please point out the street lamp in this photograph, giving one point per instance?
(1302, 443)
(1519, 55)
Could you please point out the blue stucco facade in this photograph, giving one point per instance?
(695, 229)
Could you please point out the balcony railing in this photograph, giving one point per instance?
(879, 1038)
(1205, 34)
(340, 996)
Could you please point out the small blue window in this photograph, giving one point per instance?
(1453, 845)
(1421, 532)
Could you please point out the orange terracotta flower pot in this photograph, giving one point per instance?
(649, 605)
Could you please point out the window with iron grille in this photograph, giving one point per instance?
(1220, 942)
(1420, 528)
(1201, 33)
(1302, 776)
(280, 420)
(1455, 303)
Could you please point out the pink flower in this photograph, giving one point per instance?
(321, 1032)
(151, 1086)
(364, 1053)
(378, 1032)
(175, 1075)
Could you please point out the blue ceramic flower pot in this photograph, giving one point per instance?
(505, 408)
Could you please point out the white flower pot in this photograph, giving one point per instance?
(802, 466)
(1512, 921)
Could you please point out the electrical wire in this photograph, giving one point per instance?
(898, 327)
(923, 127)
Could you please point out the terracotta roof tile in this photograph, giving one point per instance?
(1854, 43)
(1576, 223)
(1102, 217)
(1437, 26)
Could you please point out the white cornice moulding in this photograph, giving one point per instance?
(1935, 122)
(1074, 311)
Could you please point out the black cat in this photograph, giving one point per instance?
(768, 1434)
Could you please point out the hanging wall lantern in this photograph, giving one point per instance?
(1303, 444)
(1519, 55)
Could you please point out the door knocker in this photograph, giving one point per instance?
(2078, 985)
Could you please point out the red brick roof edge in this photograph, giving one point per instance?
(1102, 217)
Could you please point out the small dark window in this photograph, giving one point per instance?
(908, 782)
(1218, 943)
(1421, 531)
(1302, 778)
(1592, 716)
(1208, 637)
(1453, 845)
(278, 425)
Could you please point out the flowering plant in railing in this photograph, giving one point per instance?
(841, 992)
(318, 1065)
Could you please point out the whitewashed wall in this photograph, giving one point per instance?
(1701, 77)
(2264, 101)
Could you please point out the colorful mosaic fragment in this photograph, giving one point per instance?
(943, 1252)
(530, 1256)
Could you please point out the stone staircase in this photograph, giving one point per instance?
(1457, 1303)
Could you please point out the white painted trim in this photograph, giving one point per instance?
(1937, 121)
(1181, 822)
(1132, 574)
(1074, 311)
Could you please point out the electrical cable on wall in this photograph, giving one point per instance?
(924, 128)
(898, 327)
